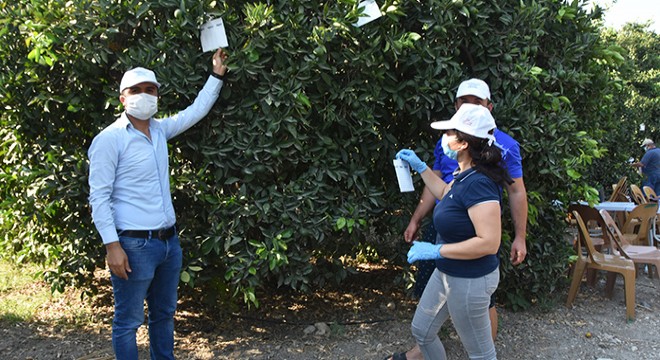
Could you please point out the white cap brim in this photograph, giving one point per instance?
(443, 125)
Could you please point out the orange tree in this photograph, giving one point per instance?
(636, 104)
(289, 178)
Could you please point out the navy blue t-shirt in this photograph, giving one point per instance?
(451, 220)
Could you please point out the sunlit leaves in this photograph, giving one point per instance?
(257, 16)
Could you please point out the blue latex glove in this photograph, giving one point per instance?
(411, 158)
(424, 251)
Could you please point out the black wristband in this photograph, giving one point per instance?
(218, 76)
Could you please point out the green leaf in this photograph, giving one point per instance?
(573, 174)
(303, 99)
(341, 223)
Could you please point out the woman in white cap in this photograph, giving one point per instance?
(468, 222)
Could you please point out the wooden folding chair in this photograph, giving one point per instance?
(650, 194)
(639, 254)
(637, 195)
(613, 264)
(618, 193)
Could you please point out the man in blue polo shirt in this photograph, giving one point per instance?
(650, 165)
(473, 91)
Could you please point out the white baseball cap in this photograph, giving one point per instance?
(647, 142)
(471, 119)
(475, 87)
(137, 75)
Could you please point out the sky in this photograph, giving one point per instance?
(620, 12)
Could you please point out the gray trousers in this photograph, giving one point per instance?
(466, 301)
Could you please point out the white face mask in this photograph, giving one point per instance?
(141, 106)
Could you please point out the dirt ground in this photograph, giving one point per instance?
(368, 318)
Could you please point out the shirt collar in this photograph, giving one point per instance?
(464, 175)
(124, 122)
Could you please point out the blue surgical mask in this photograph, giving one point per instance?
(452, 154)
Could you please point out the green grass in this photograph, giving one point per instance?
(21, 295)
(25, 297)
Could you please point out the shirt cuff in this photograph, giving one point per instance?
(213, 84)
(108, 235)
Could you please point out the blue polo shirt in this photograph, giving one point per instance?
(651, 161)
(453, 224)
(510, 155)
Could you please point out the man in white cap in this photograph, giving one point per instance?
(472, 91)
(132, 207)
(650, 165)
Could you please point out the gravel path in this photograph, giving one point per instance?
(366, 320)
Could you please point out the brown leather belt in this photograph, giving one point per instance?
(162, 234)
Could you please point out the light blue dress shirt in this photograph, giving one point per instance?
(129, 175)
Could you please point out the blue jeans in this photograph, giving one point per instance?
(156, 267)
(653, 181)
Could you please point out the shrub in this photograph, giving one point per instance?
(290, 174)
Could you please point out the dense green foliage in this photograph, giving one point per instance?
(289, 179)
(637, 104)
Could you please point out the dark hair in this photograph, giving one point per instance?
(486, 159)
